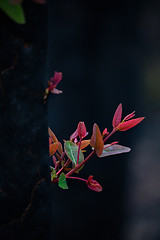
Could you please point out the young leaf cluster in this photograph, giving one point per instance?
(69, 160)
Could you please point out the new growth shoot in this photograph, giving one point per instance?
(69, 160)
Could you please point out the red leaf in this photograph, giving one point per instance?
(56, 78)
(129, 116)
(81, 130)
(84, 143)
(53, 148)
(105, 132)
(52, 135)
(54, 160)
(117, 116)
(74, 135)
(54, 139)
(96, 140)
(52, 84)
(129, 124)
(93, 184)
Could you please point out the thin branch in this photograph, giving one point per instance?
(81, 179)
(32, 196)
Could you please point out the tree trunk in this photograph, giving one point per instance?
(24, 167)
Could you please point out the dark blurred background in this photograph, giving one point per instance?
(108, 53)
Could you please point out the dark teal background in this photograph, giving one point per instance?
(108, 53)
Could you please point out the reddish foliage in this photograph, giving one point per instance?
(93, 184)
(71, 160)
(129, 116)
(55, 80)
(53, 148)
(105, 132)
(52, 85)
(81, 130)
(84, 143)
(129, 124)
(117, 116)
(97, 140)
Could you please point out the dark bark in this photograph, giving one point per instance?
(24, 167)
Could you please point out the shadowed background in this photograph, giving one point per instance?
(108, 54)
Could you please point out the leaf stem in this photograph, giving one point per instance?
(81, 179)
(90, 155)
(82, 163)
(109, 135)
(79, 146)
(63, 167)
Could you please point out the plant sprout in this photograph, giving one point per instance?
(70, 159)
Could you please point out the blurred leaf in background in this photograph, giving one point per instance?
(13, 10)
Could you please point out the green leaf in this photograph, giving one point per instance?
(14, 11)
(62, 181)
(71, 150)
(53, 173)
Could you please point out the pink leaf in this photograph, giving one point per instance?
(105, 132)
(129, 116)
(117, 116)
(56, 91)
(129, 124)
(55, 79)
(81, 130)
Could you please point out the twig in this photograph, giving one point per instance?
(32, 196)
